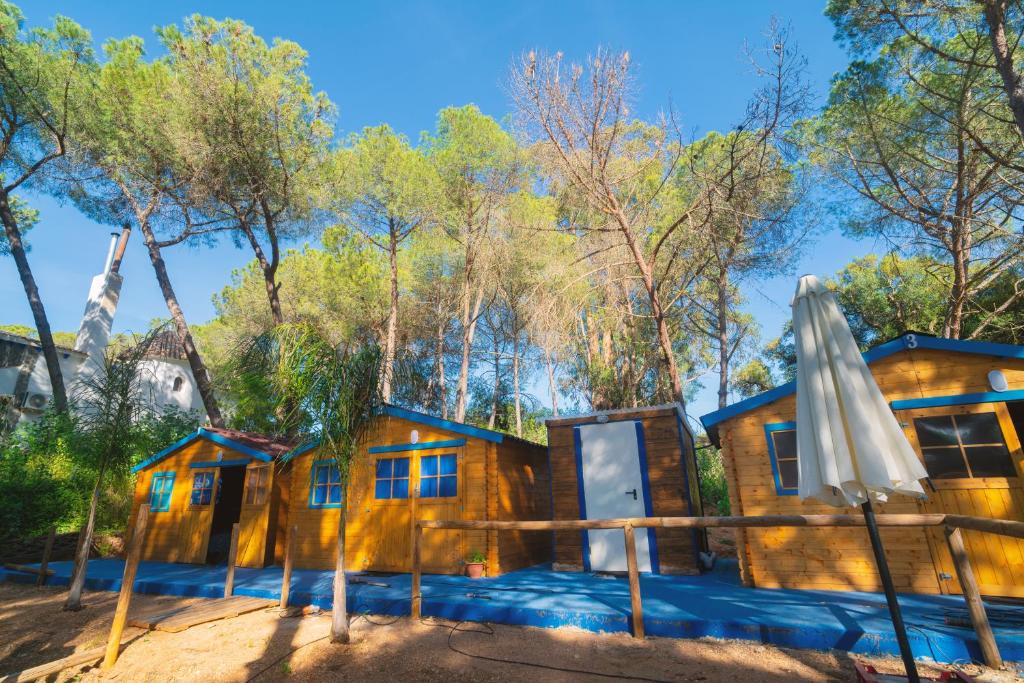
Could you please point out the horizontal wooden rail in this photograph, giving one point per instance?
(1003, 527)
(691, 522)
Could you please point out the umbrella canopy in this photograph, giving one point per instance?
(850, 447)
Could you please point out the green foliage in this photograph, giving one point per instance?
(752, 378)
(714, 490)
(477, 557)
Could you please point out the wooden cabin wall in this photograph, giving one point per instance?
(378, 536)
(523, 493)
(277, 536)
(182, 533)
(841, 559)
(667, 456)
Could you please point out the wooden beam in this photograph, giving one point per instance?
(131, 566)
(907, 520)
(975, 607)
(229, 580)
(289, 561)
(28, 569)
(47, 551)
(417, 598)
(1002, 527)
(74, 659)
(636, 605)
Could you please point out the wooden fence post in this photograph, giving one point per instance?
(229, 581)
(636, 606)
(131, 565)
(289, 560)
(417, 536)
(975, 607)
(47, 550)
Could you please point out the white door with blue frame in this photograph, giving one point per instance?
(611, 467)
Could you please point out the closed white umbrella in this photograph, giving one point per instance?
(850, 448)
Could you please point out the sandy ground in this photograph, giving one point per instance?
(265, 646)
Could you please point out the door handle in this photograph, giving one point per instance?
(632, 493)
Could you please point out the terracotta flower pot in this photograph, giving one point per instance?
(474, 570)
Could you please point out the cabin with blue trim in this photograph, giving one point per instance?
(411, 466)
(632, 462)
(961, 404)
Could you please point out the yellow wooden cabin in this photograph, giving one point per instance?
(961, 404)
(413, 466)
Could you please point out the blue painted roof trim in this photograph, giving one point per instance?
(458, 428)
(958, 399)
(304, 448)
(904, 342)
(421, 446)
(210, 464)
(202, 434)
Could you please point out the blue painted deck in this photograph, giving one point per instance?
(714, 604)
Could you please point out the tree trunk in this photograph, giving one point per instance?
(470, 315)
(995, 16)
(515, 385)
(391, 340)
(269, 270)
(339, 615)
(496, 390)
(552, 388)
(74, 599)
(442, 381)
(723, 338)
(195, 361)
(35, 303)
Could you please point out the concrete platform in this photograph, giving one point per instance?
(714, 604)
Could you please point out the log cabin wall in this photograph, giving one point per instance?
(523, 493)
(925, 383)
(672, 473)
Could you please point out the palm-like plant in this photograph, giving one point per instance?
(332, 391)
(109, 408)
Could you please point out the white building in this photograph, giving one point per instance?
(25, 388)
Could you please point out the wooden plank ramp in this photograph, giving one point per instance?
(181, 618)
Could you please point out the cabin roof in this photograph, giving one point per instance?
(259, 446)
(906, 341)
(640, 411)
(422, 418)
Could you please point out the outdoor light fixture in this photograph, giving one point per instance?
(414, 436)
(602, 419)
(997, 380)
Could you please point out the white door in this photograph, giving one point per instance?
(613, 487)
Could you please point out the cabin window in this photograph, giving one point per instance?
(963, 446)
(439, 476)
(160, 491)
(202, 488)
(782, 451)
(256, 479)
(325, 485)
(392, 478)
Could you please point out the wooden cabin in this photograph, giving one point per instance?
(961, 404)
(636, 462)
(412, 466)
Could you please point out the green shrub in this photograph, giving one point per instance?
(713, 488)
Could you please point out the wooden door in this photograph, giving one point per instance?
(438, 495)
(414, 485)
(254, 519)
(194, 531)
(973, 456)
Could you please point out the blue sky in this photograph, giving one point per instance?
(399, 63)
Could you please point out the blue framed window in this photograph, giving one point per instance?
(782, 451)
(439, 476)
(325, 485)
(202, 488)
(392, 481)
(160, 491)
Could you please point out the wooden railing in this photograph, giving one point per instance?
(952, 523)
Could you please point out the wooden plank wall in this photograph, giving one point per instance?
(841, 559)
(523, 493)
(181, 533)
(666, 459)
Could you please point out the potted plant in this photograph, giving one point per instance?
(475, 564)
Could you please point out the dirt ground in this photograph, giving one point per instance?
(264, 646)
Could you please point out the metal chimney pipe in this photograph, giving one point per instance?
(126, 232)
(110, 252)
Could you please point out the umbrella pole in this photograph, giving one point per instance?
(890, 593)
